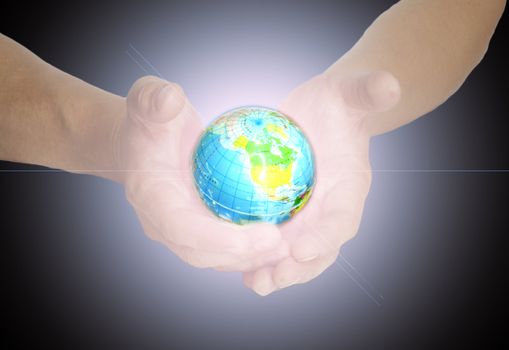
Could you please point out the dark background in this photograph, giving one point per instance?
(77, 271)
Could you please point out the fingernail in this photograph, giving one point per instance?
(288, 284)
(163, 95)
(264, 290)
(307, 258)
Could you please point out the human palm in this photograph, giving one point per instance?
(154, 146)
(333, 112)
(154, 149)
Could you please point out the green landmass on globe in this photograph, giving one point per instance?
(254, 164)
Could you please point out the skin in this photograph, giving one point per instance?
(145, 141)
(429, 54)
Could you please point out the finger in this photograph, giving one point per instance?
(247, 279)
(335, 221)
(309, 247)
(324, 238)
(179, 222)
(203, 232)
(260, 281)
(201, 259)
(154, 100)
(265, 259)
(290, 272)
(285, 273)
(375, 91)
(164, 114)
(193, 257)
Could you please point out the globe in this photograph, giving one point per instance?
(254, 164)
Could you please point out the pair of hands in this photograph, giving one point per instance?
(154, 145)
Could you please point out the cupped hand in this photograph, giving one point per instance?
(154, 146)
(332, 111)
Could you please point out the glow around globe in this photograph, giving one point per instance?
(254, 164)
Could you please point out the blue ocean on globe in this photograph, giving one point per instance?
(254, 164)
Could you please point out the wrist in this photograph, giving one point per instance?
(90, 118)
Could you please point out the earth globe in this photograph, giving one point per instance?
(254, 164)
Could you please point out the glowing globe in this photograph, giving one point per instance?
(254, 164)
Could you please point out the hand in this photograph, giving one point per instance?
(332, 111)
(154, 146)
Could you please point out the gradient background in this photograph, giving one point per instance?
(77, 270)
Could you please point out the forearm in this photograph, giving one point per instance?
(430, 46)
(50, 118)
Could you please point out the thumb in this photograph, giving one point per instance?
(375, 91)
(155, 100)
